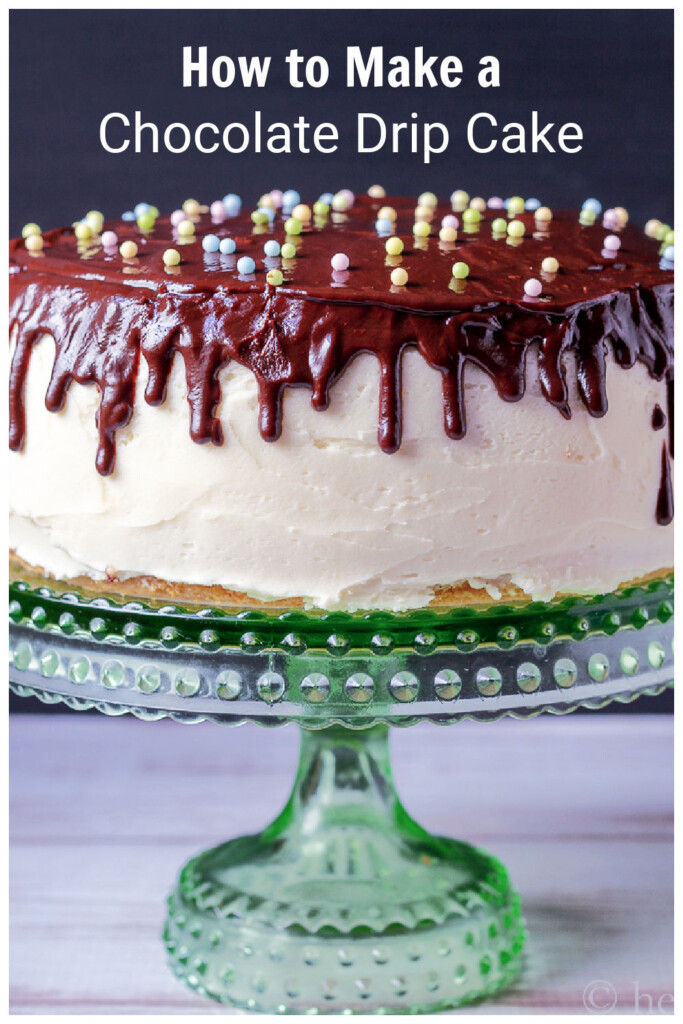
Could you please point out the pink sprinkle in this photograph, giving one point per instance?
(449, 221)
(612, 242)
(177, 216)
(109, 239)
(340, 261)
(495, 203)
(610, 219)
(533, 287)
(348, 195)
(218, 210)
(276, 196)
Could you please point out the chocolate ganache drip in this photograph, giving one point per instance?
(658, 417)
(106, 313)
(665, 496)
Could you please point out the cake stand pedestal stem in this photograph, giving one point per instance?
(343, 779)
(344, 903)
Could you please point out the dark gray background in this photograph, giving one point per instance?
(610, 71)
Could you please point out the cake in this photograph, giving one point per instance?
(367, 403)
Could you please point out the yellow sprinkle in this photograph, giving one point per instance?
(386, 213)
(274, 277)
(460, 200)
(478, 204)
(399, 276)
(34, 243)
(651, 228)
(515, 229)
(191, 207)
(33, 229)
(171, 258)
(185, 228)
(376, 192)
(340, 203)
(424, 212)
(427, 199)
(302, 213)
(83, 231)
(550, 265)
(543, 213)
(267, 200)
(421, 229)
(622, 214)
(448, 234)
(95, 219)
(394, 246)
(128, 250)
(515, 206)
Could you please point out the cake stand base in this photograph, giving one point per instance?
(344, 904)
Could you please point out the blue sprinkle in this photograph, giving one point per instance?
(141, 208)
(668, 253)
(326, 197)
(272, 248)
(211, 243)
(593, 204)
(228, 246)
(532, 204)
(128, 215)
(269, 212)
(290, 198)
(506, 203)
(383, 224)
(245, 265)
(232, 204)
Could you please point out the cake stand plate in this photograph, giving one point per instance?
(343, 904)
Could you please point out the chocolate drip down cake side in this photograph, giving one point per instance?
(366, 403)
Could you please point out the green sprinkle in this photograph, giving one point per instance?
(288, 251)
(293, 226)
(499, 226)
(471, 216)
(662, 231)
(146, 221)
(460, 271)
(321, 209)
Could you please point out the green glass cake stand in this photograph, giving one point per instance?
(343, 904)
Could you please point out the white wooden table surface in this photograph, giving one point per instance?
(105, 811)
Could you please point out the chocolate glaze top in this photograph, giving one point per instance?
(105, 313)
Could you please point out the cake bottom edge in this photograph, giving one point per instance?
(160, 591)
